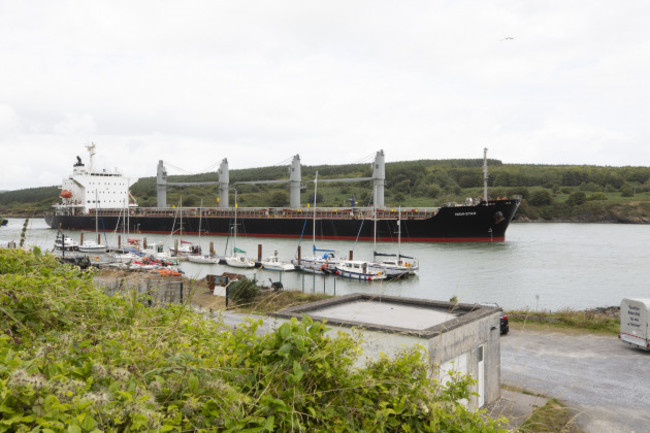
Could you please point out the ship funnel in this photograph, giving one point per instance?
(224, 182)
(161, 185)
(294, 182)
(378, 179)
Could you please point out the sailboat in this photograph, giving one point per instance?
(196, 256)
(400, 265)
(90, 246)
(317, 264)
(361, 269)
(180, 252)
(233, 259)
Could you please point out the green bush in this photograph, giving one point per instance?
(597, 196)
(75, 360)
(576, 198)
(541, 197)
(627, 191)
(243, 292)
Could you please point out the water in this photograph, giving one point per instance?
(541, 266)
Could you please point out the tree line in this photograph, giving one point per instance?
(547, 191)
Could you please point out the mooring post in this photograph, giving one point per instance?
(211, 248)
(99, 238)
(119, 241)
(351, 255)
(259, 252)
(299, 256)
(144, 243)
(181, 289)
(81, 238)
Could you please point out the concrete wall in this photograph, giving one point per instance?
(465, 340)
(160, 291)
(452, 344)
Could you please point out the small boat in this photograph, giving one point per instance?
(393, 269)
(203, 259)
(125, 255)
(318, 265)
(235, 260)
(359, 270)
(273, 263)
(65, 243)
(196, 255)
(240, 262)
(92, 247)
(156, 250)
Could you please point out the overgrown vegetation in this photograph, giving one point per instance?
(553, 417)
(568, 193)
(597, 320)
(75, 360)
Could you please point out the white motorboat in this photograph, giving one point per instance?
(203, 259)
(359, 270)
(65, 243)
(273, 263)
(319, 265)
(92, 247)
(395, 268)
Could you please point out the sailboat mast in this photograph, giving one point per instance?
(485, 175)
(374, 233)
(313, 231)
(180, 204)
(399, 231)
(234, 237)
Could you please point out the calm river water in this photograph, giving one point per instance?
(539, 266)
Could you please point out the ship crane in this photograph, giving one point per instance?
(378, 178)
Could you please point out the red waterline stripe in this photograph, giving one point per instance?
(342, 238)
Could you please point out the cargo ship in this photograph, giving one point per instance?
(88, 193)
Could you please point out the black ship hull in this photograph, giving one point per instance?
(483, 222)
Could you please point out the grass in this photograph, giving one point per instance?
(275, 301)
(553, 417)
(595, 320)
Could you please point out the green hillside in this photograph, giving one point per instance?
(549, 192)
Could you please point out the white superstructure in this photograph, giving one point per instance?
(87, 189)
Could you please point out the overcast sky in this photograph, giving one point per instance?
(193, 82)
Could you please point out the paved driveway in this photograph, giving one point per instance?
(607, 381)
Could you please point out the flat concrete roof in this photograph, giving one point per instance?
(416, 317)
(387, 314)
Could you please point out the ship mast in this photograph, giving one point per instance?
(485, 175)
(313, 230)
(91, 153)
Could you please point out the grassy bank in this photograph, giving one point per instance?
(600, 320)
(552, 417)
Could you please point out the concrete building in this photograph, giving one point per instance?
(458, 337)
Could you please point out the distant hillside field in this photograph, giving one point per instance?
(548, 192)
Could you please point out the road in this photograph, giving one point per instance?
(607, 381)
